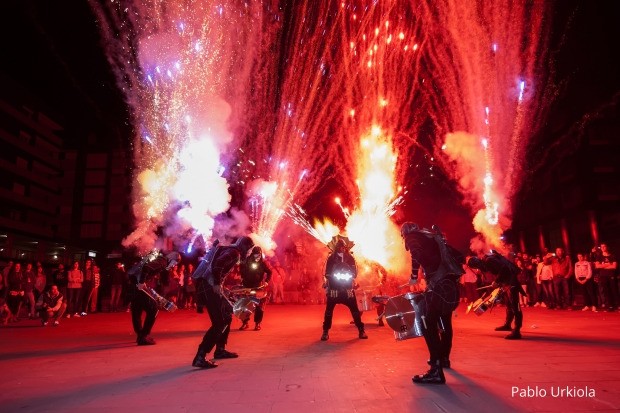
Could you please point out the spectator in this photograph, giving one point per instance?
(15, 294)
(522, 278)
(87, 285)
(546, 278)
(537, 264)
(74, 288)
(562, 271)
(51, 305)
(119, 278)
(40, 281)
(94, 291)
(29, 278)
(469, 280)
(583, 276)
(190, 293)
(5, 275)
(59, 278)
(277, 283)
(607, 265)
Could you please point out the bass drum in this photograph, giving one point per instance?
(364, 301)
(402, 314)
(244, 307)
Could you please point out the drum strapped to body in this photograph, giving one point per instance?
(244, 307)
(482, 304)
(403, 314)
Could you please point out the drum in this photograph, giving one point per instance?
(482, 304)
(260, 294)
(244, 307)
(364, 301)
(402, 317)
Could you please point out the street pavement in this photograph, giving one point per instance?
(567, 361)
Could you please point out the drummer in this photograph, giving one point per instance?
(340, 273)
(254, 274)
(440, 264)
(505, 273)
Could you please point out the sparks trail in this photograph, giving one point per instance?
(184, 68)
(349, 71)
(487, 62)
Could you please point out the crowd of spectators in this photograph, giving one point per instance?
(49, 294)
(556, 281)
(588, 281)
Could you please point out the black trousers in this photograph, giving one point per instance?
(220, 313)
(142, 303)
(437, 305)
(438, 336)
(341, 297)
(513, 308)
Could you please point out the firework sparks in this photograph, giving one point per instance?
(183, 67)
(486, 54)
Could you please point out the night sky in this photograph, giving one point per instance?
(52, 49)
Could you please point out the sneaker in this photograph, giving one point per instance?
(56, 322)
(543, 305)
(257, 327)
(76, 315)
(537, 305)
(44, 323)
(586, 308)
(363, 335)
(83, 314)
(325, 336)
(68, 316)
(244, 326)
(594, 310)
(503, 328)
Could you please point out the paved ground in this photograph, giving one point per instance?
(92, 364)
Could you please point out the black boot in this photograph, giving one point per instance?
(362, 334)
(221, 353)
(504, 327)
(445, 362)
(201, 362)
(515, 335)
(325, 335)
(433, 376)
(244, 326)
(145, 341)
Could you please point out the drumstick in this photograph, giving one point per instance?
(484, 288)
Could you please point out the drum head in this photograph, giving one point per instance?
(244, 307)
(399, 313)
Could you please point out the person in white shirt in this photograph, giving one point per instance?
(583, 275)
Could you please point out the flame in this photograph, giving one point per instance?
(376, 237)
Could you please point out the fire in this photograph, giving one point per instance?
(376, 237)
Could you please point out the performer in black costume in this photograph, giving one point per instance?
(340, 274)
(209, 293)
(441, 266)
(255, 272)
(505, 273)
(141, 302)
